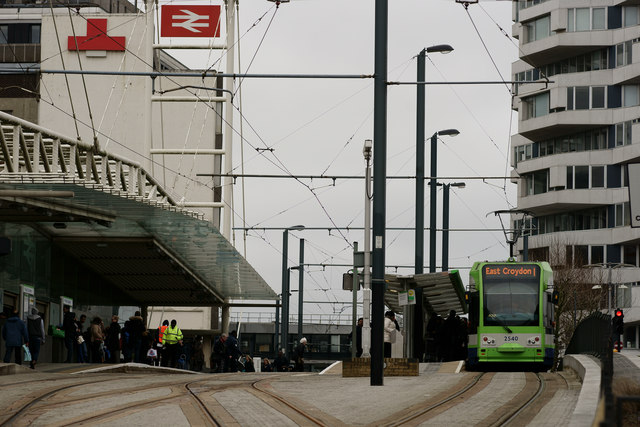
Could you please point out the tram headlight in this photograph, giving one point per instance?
(487, 340)
(534, 340)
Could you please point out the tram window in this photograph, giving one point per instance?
(511, 302)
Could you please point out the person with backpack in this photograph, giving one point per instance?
(14, 333)
(216, 361)
(35, 327)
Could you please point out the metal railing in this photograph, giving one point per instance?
(264, 317)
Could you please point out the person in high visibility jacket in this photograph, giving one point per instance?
(172, 343)
(160, 344)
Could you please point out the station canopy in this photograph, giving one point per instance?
(154, 253)
(441, 292)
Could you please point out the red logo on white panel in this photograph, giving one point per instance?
(190, 21)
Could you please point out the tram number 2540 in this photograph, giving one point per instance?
(510, 338)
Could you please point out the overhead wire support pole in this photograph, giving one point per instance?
(379, 189)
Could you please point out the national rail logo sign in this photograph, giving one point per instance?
(190, 21)
(97, 38)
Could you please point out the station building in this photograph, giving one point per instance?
(578, 128)
(98, 200)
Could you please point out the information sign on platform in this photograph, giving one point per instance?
(190, 21)
(634, 192)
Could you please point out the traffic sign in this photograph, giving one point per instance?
(190, 21)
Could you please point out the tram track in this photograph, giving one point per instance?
(509, 418)
(418, 413)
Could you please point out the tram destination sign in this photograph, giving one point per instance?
(501, 271)
(633, 172)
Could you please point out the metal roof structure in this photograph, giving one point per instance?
(110, 215)
(442, 292)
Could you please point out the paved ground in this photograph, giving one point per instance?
(352, 401)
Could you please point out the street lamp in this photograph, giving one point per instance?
(366, 291)
(445, 222)
(432, 196)
(285, 286)
(420, 139)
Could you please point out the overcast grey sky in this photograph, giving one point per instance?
(318, 126)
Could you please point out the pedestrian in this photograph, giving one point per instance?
(70, 335)
(97, 341)
(359, 349)
(197, 355)
(35, 328)
(248, 364)
(14, 333)
(450, 336)
(160, 343)
(389, 332)
(112, 340)
(217, 359)
(233, 353)
(281, 362)
(136, 331)
(299, 354)
(266, 365)
(81, 345)
(173, 343)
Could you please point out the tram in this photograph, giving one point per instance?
(510, 315)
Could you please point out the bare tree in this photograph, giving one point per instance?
(573, 282)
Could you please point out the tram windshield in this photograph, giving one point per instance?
(511, 298)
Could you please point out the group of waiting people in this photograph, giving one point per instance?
(17, 333)
(227, 357)
(447, 339)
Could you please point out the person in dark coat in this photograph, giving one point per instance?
(136, 331)
(70, 334)
(299, 354)
(450, 336)
(233, 352)
(14, 333)
(35, 328)
(218, 355)
(281, 362)
(113, 340)
(197, 355)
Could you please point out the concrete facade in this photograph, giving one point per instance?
(579, 125)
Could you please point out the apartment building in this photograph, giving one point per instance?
(579, 126)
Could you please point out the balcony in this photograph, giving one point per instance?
(20, 53)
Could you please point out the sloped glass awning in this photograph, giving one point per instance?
(156, 255)
(442, 292)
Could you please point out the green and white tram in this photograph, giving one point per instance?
(510, 315)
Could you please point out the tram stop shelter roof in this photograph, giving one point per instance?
(441, 292)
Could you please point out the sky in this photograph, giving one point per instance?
(318, 126)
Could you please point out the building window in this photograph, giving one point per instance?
(622, 214)
(597, 177)
(597, 254)
(630, 254)
(536, 106)
(585, 97)
(537, 29)
(630, 16)
(631, 97)
(581, 175)
(585, 19)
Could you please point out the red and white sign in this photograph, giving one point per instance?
(96, 38)
(190, 21)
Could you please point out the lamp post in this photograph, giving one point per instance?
(610, 286)
(300, 288)
(420, 140)
(445, 222)
(285, 287)
(366, 291)
(432, 195)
